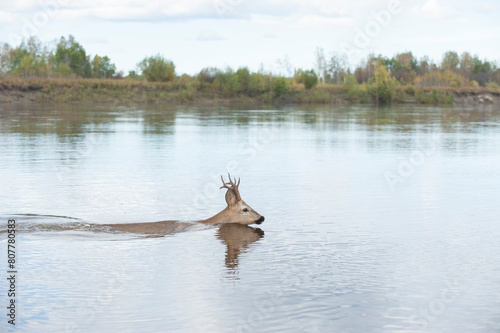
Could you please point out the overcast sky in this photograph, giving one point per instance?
(197, 33)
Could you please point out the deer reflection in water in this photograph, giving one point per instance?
(237, 239)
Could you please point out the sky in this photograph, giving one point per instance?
(259, 34)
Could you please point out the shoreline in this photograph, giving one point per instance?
(128, 91)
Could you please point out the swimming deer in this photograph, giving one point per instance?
(237, 211)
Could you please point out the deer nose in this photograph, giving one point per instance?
(260, 220)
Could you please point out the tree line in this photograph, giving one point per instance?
(377, 77)
(67, 58)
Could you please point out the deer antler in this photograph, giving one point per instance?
(234, 186)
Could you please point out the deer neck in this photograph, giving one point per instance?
(221, 217)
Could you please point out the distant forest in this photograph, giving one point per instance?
(377, 78)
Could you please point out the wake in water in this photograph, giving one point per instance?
(30, 224)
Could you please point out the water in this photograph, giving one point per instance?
(376, 219)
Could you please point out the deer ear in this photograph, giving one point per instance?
(231, 197)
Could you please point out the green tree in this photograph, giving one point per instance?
(466, 66)
(259, 83)
(243, 78)
(27, 59)
(310, 79)
(382, 86)
(307, 77)
(336, 69)
(87, 67)
(107, 68)
(351, 87)
(226, 81)
(450, 61)
(208, 75)
(31, 66)
(102, 67)
(403, 67)
(132, 75)
(157, 69)
(72, 54)
(280, 86)
(483, 71)
(16, 56)
(424, 65)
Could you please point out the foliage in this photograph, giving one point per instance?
(433, 96)
(450, 61)
(280, 86)
(157, 69)
(382, 86)
(69, 58)
(336, 69)
(208, 75)
(243, 80)
(102, 67)
(133, 75)
(410, 90)
(71, 53)
(447, 78)
(351, 87)
(308, 78)
(377, 79)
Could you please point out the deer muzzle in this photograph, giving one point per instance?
(260, 220)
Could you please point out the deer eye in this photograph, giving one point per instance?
(245, 210)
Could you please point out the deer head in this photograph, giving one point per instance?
(237, 210)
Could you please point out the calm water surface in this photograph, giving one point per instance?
(377, 220)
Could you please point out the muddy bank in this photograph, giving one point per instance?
(476, 98)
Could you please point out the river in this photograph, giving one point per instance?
(377, 219)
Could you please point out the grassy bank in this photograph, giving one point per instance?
(186, 90)
(65, 72)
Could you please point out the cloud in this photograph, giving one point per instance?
(485, 8)
(325, 8)
(323, 21)
(95, 40)
(154, 11)
(312, 13)
(270, 35)
(432, 9)
(5, 17)
(113, 10)
(209, 36)
(165, 10)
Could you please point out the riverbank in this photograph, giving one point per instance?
(127, 91)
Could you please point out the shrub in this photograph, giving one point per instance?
(307, 77)
(156, 68)
(351, 87)
(133, 75)
(410, 90)
(310, 79)
(492, 85)
(383, 87)
(280, 85)
(434, 97)
(208, 75)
